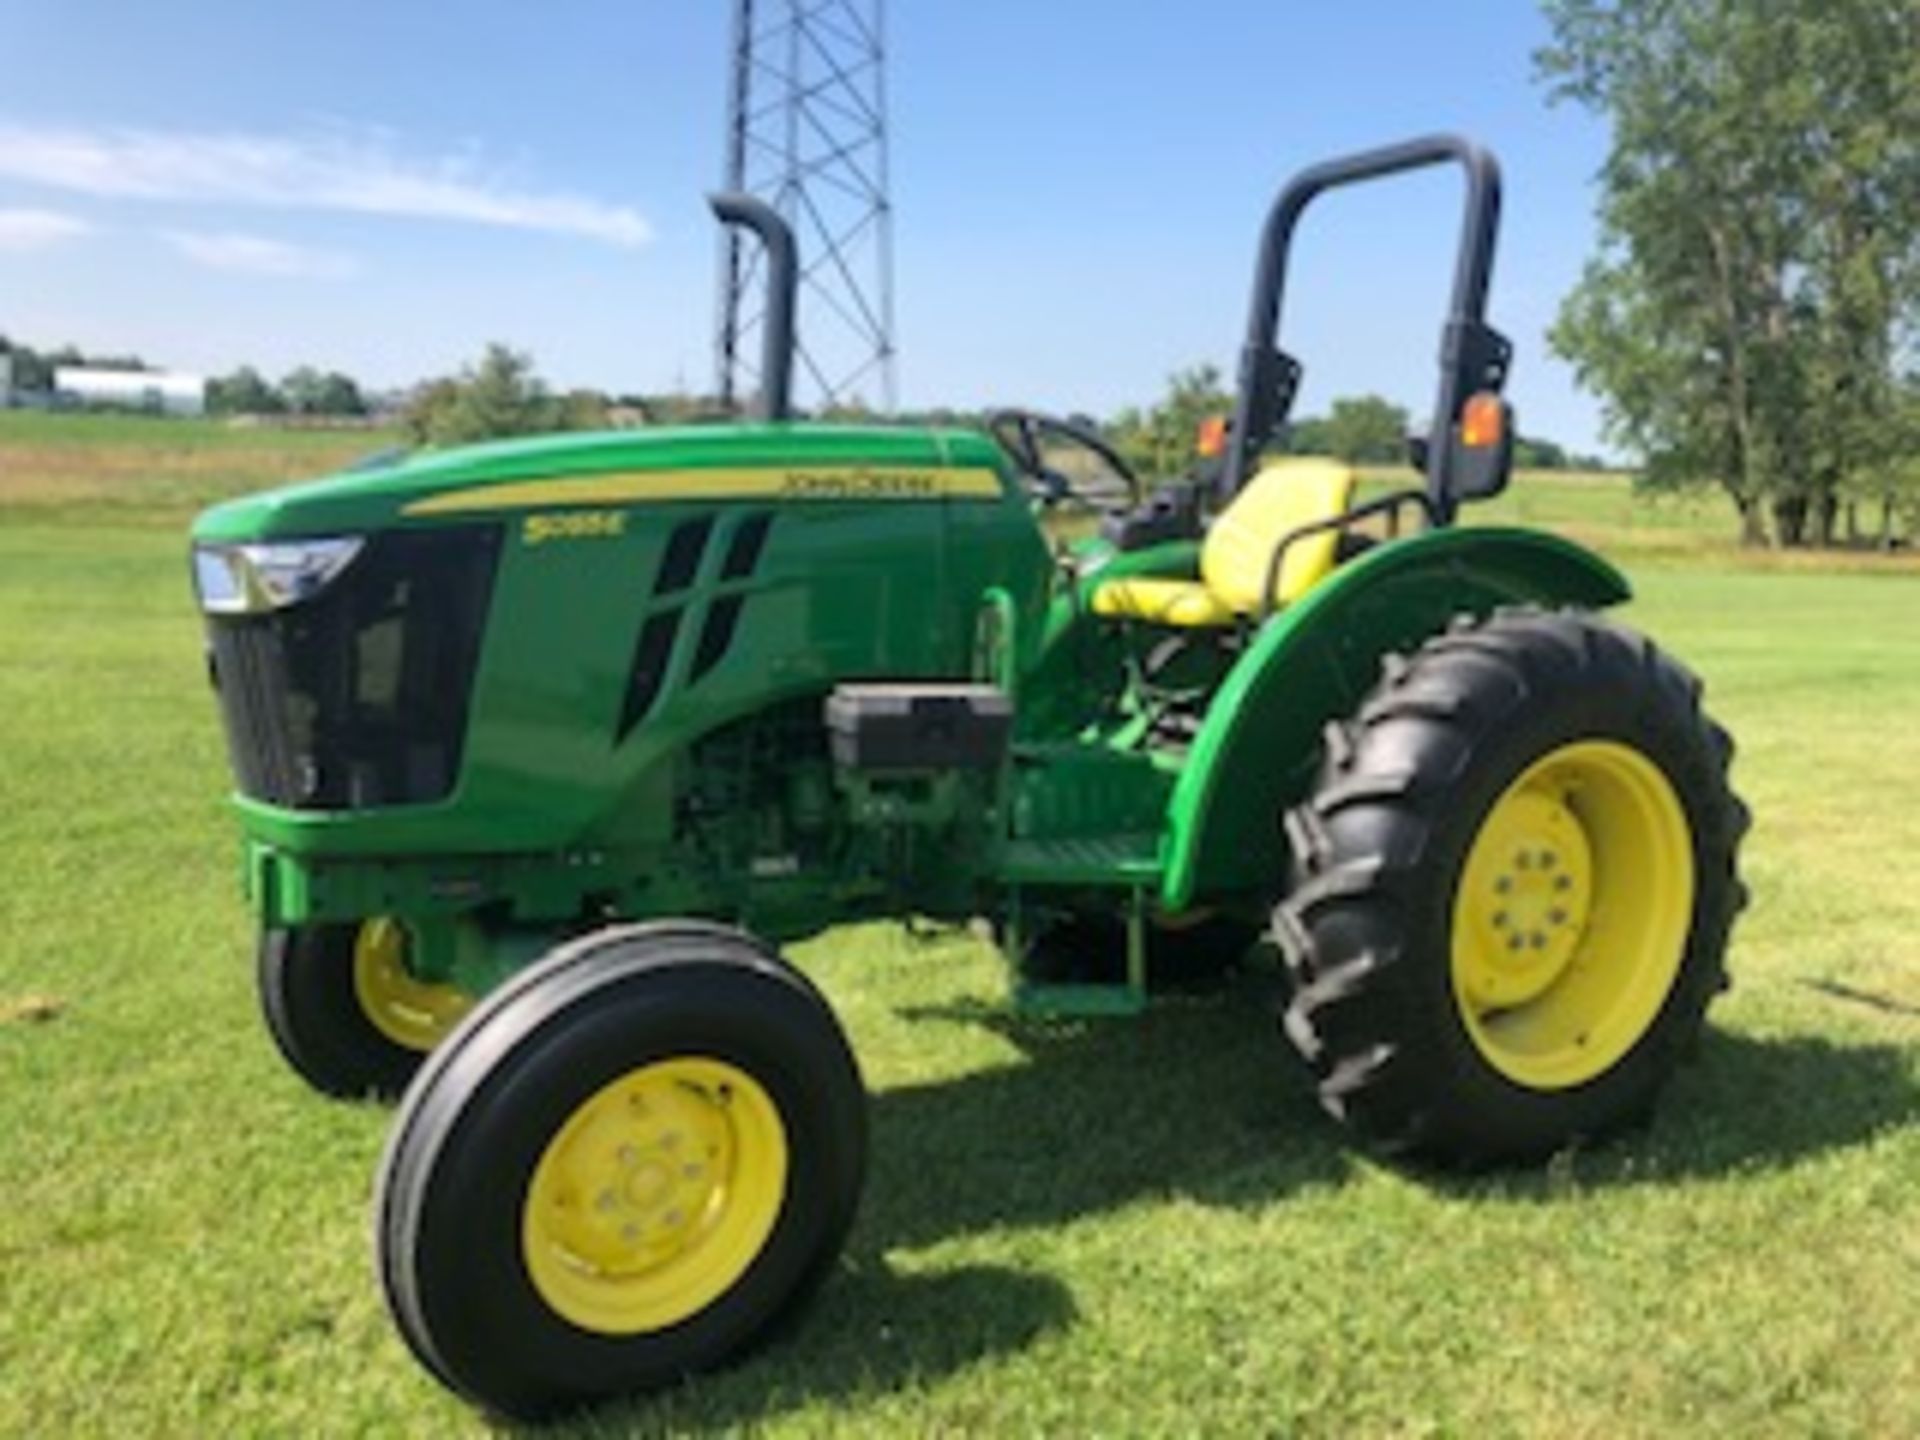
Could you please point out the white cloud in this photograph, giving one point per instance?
(257, 255)
(22, 230)
(358, 172)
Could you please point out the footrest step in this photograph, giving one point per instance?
(1123, 860)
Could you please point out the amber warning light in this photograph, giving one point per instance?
(1483, 421)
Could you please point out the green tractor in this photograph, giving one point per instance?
(543, 748)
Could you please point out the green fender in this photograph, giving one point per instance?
(1260, 746)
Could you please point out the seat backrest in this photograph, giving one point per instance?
(1285, 495)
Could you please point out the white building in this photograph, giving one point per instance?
(163, 391)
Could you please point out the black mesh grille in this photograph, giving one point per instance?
(358, 698)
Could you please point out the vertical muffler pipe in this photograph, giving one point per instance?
(783, 279)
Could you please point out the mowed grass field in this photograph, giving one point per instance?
(1122, 1228)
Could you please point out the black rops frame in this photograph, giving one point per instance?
(783, 277)
(1473, 356)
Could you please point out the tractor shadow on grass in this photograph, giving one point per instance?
(874, 1331)
(1742, 1105)
(1199, 1099)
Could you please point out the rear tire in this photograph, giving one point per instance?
(1476, 1027)
(631, 1161)
(343, 1011)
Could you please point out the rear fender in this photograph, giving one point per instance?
(1259, 748)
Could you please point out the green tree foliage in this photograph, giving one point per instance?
(1366, 430)
(1160, 440)
(244, 392)
(33, 369)
(1760, 243)
(1532, 454)
(1363, 430)
(311, 392)
(498, 397)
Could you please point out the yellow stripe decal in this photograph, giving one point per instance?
(827, 482)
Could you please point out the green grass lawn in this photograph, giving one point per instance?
(1115, 1228)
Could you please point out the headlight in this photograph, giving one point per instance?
(269, 575)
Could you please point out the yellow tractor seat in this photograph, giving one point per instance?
(1284, 496)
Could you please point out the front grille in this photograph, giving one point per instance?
(358, 697)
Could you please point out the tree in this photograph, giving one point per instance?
(339, 395)
(244, 392)
(1760, 240)
(1309, 435)
(1368, 430)
(31, 370)
(498, 397)
(1530, 453)
(303, 388)
(1160, 441)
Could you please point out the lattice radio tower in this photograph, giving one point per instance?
(807, 132)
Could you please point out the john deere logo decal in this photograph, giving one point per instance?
(861, 484)
(644, 487)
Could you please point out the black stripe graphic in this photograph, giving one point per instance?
(749, 539)
(682, 560)
(649, 672)
(716, 635)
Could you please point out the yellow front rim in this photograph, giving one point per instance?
(409, 1011)
(1572, 915)
(655, 1196)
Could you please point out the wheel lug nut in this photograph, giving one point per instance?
(1523, 861)
(1499, 919)
(1503, 884)
(1557, 915)
(1562, 882)
(1548, 860)
(1539, 941)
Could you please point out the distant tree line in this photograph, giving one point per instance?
(1362, 430)
(305, 391)
(33, 369)
(1752, 318)
(502, 395)
(498, 397)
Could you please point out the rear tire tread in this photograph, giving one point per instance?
(1345, 926)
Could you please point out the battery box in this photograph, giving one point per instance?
(919, 726)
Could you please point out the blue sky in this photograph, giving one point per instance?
(1077, 188)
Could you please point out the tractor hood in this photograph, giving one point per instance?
(800, 463)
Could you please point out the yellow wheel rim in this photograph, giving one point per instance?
(408, 1011)
(655, 1196)
(1572, 915)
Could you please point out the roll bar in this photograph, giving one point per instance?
(1472, 355)
(748, 212)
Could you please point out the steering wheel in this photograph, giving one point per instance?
(1043, 449)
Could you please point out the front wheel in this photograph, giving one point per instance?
(1512, 892)
(631, 1160)
(346, 1011)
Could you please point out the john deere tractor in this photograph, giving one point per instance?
(544, 748)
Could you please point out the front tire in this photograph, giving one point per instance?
(345, 1011)
(629, 1163)
(1512, 891)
